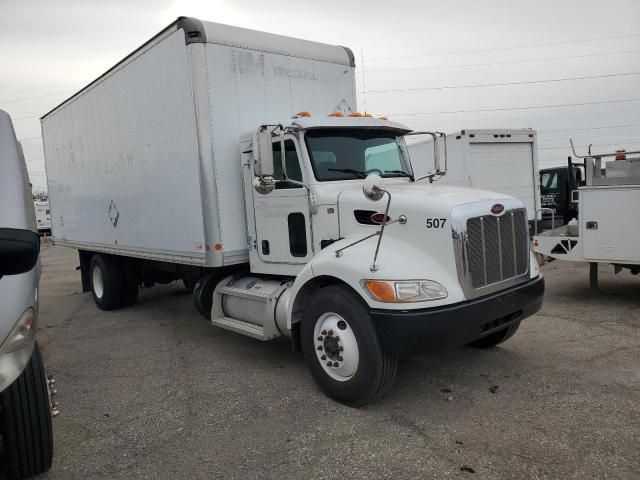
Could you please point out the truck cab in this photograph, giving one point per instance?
(26, 443)
(359, 263)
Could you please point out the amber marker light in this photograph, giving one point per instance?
(382, 291)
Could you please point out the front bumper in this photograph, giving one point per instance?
(410, 331)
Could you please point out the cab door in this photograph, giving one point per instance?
(283, 232)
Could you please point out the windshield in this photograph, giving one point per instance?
(549, 182)
(341, 154)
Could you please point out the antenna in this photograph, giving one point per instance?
(364, 85)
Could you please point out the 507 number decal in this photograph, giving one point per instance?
(436, 222)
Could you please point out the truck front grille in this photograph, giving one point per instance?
(497, 247)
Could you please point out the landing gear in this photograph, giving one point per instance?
(342, 350)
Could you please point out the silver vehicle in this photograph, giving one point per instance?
(26, 444)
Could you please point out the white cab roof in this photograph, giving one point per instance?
(353, 122)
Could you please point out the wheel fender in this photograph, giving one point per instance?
(396, 260)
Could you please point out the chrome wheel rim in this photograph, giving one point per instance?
(98, 284)
(336, 346)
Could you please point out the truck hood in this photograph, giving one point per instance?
(425, 240)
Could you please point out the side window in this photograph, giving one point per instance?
(293, 164)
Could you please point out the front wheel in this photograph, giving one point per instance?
(25, 423)
(342, 350)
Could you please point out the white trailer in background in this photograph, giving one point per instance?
(196, 158)
(608, 225)
(43, 216)
(501, 160)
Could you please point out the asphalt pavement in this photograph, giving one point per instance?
(155, 392)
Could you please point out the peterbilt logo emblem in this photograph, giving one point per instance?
(497, 209)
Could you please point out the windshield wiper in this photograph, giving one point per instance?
(357, 173)
(403, 173)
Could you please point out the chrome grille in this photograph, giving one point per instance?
(497, 247)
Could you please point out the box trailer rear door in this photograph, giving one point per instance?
(506, 168)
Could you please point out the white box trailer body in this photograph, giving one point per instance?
(145, 161)
(504, 161)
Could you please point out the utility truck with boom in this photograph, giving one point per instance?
(608, 225)
(231, 159)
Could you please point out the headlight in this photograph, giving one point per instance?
(405, 291)
(22, 334)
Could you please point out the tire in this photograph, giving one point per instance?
(332, 312)
(25, 422)
(496, 338)
(189, 285)
(106, 280)
(130, 283)
(203, 293)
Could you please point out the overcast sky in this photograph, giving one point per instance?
(411, 49)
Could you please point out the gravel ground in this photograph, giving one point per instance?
(155, 392)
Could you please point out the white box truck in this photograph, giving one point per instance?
(43, 216)
(499, 160)
(197, 158)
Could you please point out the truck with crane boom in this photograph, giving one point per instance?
(233, 160)
(608, 225)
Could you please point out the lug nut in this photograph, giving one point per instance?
(330, 333)
(337, 338)
(54, 392)
(340, 359)
(324, 332)
(323, 357)
(329, 364)
(55, 412)
(319, 347)
(52, 381)
(319, 339)
(335, 364)
(340, 349)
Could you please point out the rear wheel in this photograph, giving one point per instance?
(342, 350)
(25, 423)
(203, 293)
(496, 338)
(106, 282)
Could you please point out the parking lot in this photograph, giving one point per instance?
(154, 392)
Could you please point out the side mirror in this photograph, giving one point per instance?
(19, 250)
(372, 187)
(264, 153)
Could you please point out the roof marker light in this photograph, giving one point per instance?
(336, 114)
(383, 118)
(303, 114)
(356, 114)
(368, 115)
